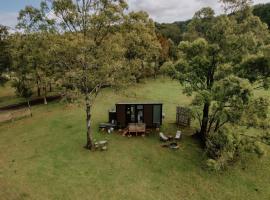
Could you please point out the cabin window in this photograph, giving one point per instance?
(140, 113)
(139, 107)
(132, 114)
(157, 114)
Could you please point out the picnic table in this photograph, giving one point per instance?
(107, 126)
(136, 128)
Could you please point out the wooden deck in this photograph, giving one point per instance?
(135, 129)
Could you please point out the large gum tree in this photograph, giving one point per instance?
(91, 27)
(89, 48)
(222, 61)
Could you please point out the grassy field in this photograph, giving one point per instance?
(43, 157)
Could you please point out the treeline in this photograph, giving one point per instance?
(263, 12)
(175, 30)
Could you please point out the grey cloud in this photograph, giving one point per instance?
(159, 10)
(175, 10)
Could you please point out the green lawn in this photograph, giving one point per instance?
(43, 157)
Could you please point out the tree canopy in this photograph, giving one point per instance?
(5, 61)
(83, 46)
(222, 60)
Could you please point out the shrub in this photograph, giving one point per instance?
(168, 69)
(226, 147)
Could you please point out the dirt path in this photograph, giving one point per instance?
(33, 102)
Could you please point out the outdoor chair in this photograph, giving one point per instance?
(163, 137)
(178, 135)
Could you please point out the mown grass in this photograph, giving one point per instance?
(43, 157)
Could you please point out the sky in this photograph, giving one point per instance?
(159, 10)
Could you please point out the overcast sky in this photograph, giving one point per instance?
(159, 10)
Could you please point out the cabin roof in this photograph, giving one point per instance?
(139, 103)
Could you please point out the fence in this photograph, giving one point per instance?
(183, 116)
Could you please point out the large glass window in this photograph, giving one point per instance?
(157, 114)
(132, 114)
(140, 114)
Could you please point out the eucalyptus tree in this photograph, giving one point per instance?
(141, 43)
(5, 61)
(90, 49)
(232, 6)
(222, 60)
(37, 28)
(214, 65)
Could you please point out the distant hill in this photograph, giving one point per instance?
(175, 30)
(263, 11)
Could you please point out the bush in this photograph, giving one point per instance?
(226, 147)
(213, 165)
(168, 69)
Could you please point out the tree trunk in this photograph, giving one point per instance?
(29, 107)
(50, 87)
(89, 138)
(45, 95)
(38, 90)
(205, 120)
(217, 126)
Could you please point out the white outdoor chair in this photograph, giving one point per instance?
(163, 137)
(178, 135)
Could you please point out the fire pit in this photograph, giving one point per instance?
(173, 145)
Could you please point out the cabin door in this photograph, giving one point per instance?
(131, 114)
(135, 114)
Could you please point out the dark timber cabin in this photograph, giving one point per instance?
(148, 113)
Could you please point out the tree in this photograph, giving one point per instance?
(22, 68)
(38, 28)
(94, 44)
(209, 65)
(215, 64)
(141, 44)
(168, 50)
(171, 31)
(30, 55)
(263, 11)
(232, 6)
(5, 61)
(23, 89)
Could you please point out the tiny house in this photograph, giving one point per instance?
(148, 113)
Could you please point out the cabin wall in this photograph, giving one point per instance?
(148, 112)
(148, 115)
(121, 115)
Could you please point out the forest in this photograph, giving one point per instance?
(175, 30)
